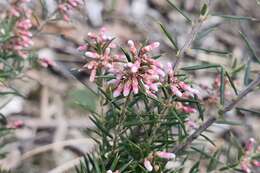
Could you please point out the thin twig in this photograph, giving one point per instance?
(195, 135)
(243, 93)
(211, 120)
(190, 38)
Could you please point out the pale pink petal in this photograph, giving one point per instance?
(250, 144)
(148, 166)
(118, 90)
(165, 155)
(176, 91)
(91, 54)
(127, 88)
(92, 75)
(135, 86)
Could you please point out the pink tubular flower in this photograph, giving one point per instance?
(67, 6)
(165, 155)
(256, 163)
(184, 108)
(245, 166)
(142, 72)
(46, 62)
(191, 124)
(21, 38)
(100, 60)
(250, 145)
(16, 124)
(248, 163)
(148, 166)
(178, 87)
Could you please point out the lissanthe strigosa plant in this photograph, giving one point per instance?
(144, 119)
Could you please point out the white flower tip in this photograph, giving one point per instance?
(116, 94)
(156, 44)
(109, 171)
(148, 165)
(130, 43)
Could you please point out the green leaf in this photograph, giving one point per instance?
(205, 32)
(107, 44)
(231, 83)
(200, 108)
(212, 51)
(180, 120)
(204, 10)
(128, 57)
(115, 162)
(226, 122)
(208, 139)
(237, 69)
(244, 37)
(232, 17)
(3, 119)
(229, 167)
(168, 35)
(254, 112)
(125, 166)
(247, 73)
(180, 11)
(222, 86)
(213, 161)
(195, 167)
(199, 67)
(237, 144)
(100, 126)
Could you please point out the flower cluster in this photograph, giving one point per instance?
(20, 36)
(142, 71)
(67, 6)
(178, 88)
(133, 72)
(248, 160)
(160, 154)
(100, 60)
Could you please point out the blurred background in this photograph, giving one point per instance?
(55, 101)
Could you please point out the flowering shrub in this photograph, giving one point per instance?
(145, 120)
(148, 109)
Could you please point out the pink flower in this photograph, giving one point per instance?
(16, 124)
(188, 109)
(178, 87)
(165, 155)
(148, 166)
(250, 145)
(141, 71)
(101, 61)
(21, 31)
(245, 167)
(68, 6)
(46, 62)
(256, 163)
(82, 48)
(192, 124)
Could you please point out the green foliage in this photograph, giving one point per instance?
(133, 128)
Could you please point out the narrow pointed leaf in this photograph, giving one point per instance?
(180, 11)
(244, 37)
(168, 35)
